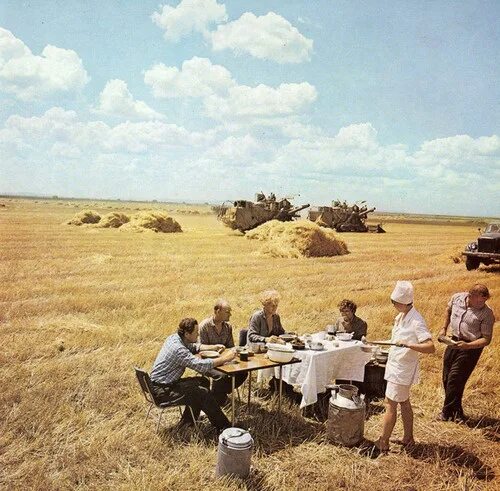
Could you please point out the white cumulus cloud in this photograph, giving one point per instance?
(189, 16)
(116, 100)
(460, 147)
(64, 130)
(234, 149)
(261, 101)
(197, 77)
(268, 37)
(30, 77)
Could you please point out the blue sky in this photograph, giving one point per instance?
(393, 102)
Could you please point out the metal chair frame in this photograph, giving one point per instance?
(150, 396)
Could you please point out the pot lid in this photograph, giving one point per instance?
(236, 438)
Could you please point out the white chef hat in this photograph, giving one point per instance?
(403, 292)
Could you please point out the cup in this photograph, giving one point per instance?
(243, 355)
(331, 329)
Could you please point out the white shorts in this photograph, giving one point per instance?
(397, 392)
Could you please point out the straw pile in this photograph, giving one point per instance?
(297, 239)
(154, 221)
(85, 216)
(453, 254)
(113, 220)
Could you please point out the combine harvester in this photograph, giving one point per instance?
(245, 215)
(344, 218)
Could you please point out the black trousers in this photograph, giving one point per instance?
(196, 394)
(457, 368)
(223, 386)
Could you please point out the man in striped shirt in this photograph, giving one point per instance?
(471, 322)
(178, 353)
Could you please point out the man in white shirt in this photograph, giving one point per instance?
(411, 336)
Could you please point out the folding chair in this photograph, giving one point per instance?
(149, 393)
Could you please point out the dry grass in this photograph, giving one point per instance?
(79, 307)
(297, 239)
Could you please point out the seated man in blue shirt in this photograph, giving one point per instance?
(177, 354)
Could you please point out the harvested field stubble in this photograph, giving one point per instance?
(297, 239)
(79, 310)
(152, 221)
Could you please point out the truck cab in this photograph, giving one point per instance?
(485, 250)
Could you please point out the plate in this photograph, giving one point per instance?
(209, 354)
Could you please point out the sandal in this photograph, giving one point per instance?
(381, 448)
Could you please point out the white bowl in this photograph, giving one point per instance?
(344, 336)
(280, 356)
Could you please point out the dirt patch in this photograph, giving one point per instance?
(151, 221)
(297, 239)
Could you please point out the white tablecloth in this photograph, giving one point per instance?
(320, 368)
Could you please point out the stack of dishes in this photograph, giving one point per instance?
(381, 356)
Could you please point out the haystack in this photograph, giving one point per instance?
(154, 221)
(85, 216)
(113, 220)
(297, 239)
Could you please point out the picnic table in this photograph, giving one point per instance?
(256, 362)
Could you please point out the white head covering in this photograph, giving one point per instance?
(403, 292)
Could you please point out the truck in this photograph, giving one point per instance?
(485, 250)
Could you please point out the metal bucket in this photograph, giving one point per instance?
(345, 426)
(234, 453)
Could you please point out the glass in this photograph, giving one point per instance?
(331, 329)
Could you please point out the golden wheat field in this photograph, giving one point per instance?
(81, 306)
